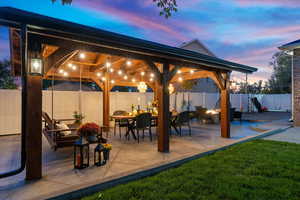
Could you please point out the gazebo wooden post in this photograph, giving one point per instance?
(106, 105)
(34, 123)
(163, 110)
(225, 107)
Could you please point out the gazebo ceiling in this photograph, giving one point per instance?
(91, 66)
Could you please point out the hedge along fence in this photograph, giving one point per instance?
(66, 102)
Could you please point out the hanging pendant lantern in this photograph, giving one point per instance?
(171, 88)
(142, 87)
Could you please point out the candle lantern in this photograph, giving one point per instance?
(98, 155)
(81, 155)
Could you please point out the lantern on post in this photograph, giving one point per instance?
(35, 62)
(81, 155)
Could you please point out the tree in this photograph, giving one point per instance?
(167, 6)
(280, 81)
(7, 81)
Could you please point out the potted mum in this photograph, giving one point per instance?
(107, 148)
(88, 132)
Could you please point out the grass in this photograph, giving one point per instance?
(254, 170)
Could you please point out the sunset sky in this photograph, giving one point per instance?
(243, 31)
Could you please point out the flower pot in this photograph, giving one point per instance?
(83, 140)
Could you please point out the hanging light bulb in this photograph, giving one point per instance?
(103, 78)
(111, 70)
(98, 74)
(112, 81)
(151, 79)
(120, 72)
(108, 64)
(142, 73)
(81, 55)
(66, 73)
(142, 87)
(192, 71)
(133, 80)
(180, 79)
(179, 71)
(128, 63)
(61, 71)
(171, 88)
(152, 75)
(74, 67)
(125, 77)
(70, 65)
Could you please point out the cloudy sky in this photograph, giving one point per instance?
(243, 31)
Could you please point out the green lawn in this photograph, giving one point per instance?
(254, 170)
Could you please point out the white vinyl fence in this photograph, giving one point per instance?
(66, 102)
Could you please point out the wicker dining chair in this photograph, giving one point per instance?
(183, 119)
(121, 123)
(143, 122)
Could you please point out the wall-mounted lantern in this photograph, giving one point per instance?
(36, 67)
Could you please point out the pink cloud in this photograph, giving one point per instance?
(135, 19)
(282, 3)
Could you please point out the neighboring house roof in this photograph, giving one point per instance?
(197, 46)
(290, 46)
(203, 85)
(40, 24)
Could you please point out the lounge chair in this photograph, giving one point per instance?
(55, 135)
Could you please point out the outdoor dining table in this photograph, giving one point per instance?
(131, 120)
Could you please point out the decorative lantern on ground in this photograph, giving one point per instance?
(81, 155)
(102, 150)
(98, 155)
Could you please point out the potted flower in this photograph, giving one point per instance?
(88, 132)
(107, 148)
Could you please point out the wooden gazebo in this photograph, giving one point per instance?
(64, 46)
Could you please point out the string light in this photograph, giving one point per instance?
(151, 79)
(74, 67)
(66, 74)
(125, 77)
(111, 70)
(120, 72)
(128, 63)
(133, 80)
(61, 71)
(180, 79)
(82, 55)
(99, 74)
(142, 73)
(192, 71)
(112, 81)
(179, 71)
(70, 65)
(152, 75)
(103, 78)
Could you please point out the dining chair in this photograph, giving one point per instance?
(183, 119)
(121, 123)
(143, 122)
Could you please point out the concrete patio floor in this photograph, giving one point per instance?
(127, 157)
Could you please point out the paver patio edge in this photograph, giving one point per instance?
(77, 194)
